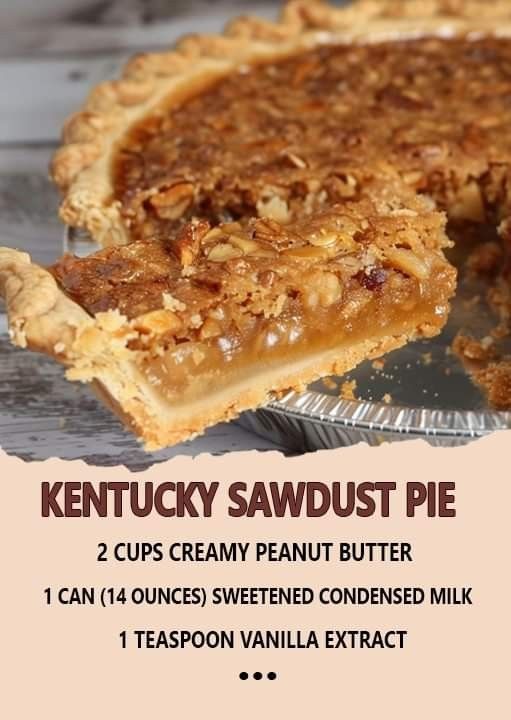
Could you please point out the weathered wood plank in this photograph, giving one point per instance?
(142, 28)
(29, 202)
(47, 70)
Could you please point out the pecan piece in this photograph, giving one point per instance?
(158, 322)
(186, 246)
(408, 262)
(171, 204)
(223, 252)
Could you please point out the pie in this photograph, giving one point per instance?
(272, 206)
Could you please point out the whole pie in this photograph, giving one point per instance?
(272, 205)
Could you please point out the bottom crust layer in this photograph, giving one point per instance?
(164, 425)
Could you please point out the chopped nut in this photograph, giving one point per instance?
(172, 303)
(186, 246)
(469, 204)
(223, 252)
(471, 349)
(413, 178)
(111, 321)
(273, 208)
(231, 227)
(210, 329)
(195, 321)
(307, 253)
(158, 322)
(213, 234)
(489, 121)
(198, 355)
(217, 313)
(408, 262)
(267, 278)
(171, 204)
(321, 288)
(323, 240)
(246, 245)
(263, 252)
(295, 160)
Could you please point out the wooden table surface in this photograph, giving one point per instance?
(46, 69)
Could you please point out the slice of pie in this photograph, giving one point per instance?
(272, 205)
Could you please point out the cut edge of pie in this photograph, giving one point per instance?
(81, 167)
(96, 350)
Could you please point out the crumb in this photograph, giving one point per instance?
(427, 358)
(486, 258)
(387, 399)
(495, 380)
(172, 303)
(500, 331)
(347, 390)
(329, 383)
(196, 321)
(378, 364)
(469, 348)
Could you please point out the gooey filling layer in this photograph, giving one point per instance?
(216, 305)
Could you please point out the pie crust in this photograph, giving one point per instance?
(106, 347)
(82, 166)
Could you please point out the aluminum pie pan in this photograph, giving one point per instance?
(313, 421)
(429, 395)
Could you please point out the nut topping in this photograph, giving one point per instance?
(223, 252)
(273, 208)
(158, 322)
(246, 245)
(307, 253)
(186, 246)
(171, 204)
(210, 329)
(323, 240)
(408, 262)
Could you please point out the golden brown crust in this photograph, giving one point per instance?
(40, 315)
(81, 167)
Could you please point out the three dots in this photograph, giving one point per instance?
(258, 676)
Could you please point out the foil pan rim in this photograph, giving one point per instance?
(379, 417)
